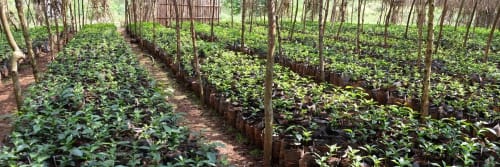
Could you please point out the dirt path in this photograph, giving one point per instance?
(199, 118)
(7, 100)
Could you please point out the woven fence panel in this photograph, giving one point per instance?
(202, 10)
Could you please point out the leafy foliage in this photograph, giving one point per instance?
(97, 107)
(356, 129)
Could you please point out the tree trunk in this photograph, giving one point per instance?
(459, 13)
(363, 16)
(359, 27)
(304, 13)
(492, 33)
(134, 7)
(56, 23)
(408, 21)
(294, 20)
(252, 8)
(79, 15)
(320, 45)
(342, 18)
(178, 35)
(466, 37)
(30, 13)
(428, 61)
(268, 108)
(387, 22)
(212, 35)
(47, 24)
(27, 39)
(278, 30)
(16, 55)
(127, 22)
(420, 25)
(334, 13)
(73, 20)
(441, 22)
(154, 22)
(381, 13)
(352, 11)
(195, 51)
(232, 17)
(243, 12)
(325, 18)
(83, 13)
(65, 20)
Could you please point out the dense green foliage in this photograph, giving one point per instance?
(96, 106)
(38, 36)
(315, 114)
(462, 86)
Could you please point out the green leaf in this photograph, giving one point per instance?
(76, 152)
(21, 147)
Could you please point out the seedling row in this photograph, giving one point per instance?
(325, 121)
(95, 106)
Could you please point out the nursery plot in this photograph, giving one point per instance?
(470, 95)
(373, 35)
(96, 106)
(310, 114)
(38, 35)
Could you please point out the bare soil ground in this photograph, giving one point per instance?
(200, 119)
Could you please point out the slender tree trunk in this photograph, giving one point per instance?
(321, 42)
(352, 11)
(420, 25)
(381, 13)
(232, 11)
(268, 108)
(195, 51)
(127, 22)
(342, 18)
(65, 20)
(79, 15)
(30, 13)
(409, 16)
(441, 22)
(134, 7)
(466, 37)
(72, 14)
(325, 18)
(387, 22)
(492, 33)
(16, 55)
(278, 30)
(56, 23)
(252, 8)
(363, 16)
(27, 39)
(459, 13)
(47, 24)
(243, 13)
(83, 13)
(178, 35)
(154, 22)
(304, 13)
(212, 35)
(334, 13)
(359, 27)
(428, 61)
(294, 20)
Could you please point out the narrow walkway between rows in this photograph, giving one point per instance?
(200, 119)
